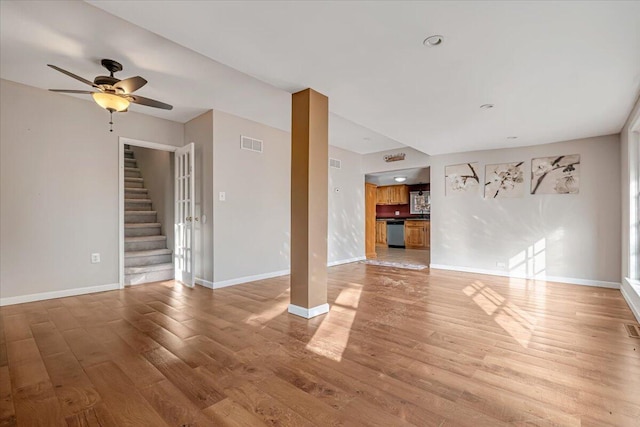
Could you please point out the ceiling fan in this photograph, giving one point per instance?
(113, 94)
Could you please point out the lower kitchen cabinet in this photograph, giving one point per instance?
(381, 233)
(417, 234)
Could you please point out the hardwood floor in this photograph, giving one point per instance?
(424, 348)
(410, 256)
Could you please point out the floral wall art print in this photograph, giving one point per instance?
(461, 179)
(555, 175)
(504, 180)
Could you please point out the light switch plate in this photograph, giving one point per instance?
(95, 258)
(397, 212)
(222, 196)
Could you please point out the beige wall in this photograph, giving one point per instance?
(200, 132)
(581, 233)
(346, 207)
(59, 188)
(251, 227)
(156, 167)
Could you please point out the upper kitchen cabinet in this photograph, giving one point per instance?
(393, 195)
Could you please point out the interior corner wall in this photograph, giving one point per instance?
(346, 229)
(156, 167)
(59, 189)
(561, 237)
(252, 225)
(200, 131)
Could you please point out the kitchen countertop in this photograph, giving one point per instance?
(402, 218)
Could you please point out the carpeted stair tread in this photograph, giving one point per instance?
(142, 225)
(148, 268)
(139, 212)
(151, 252)
(144, 238)
(137, 200)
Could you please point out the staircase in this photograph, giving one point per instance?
(146, 257)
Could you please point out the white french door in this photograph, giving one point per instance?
(184, 214)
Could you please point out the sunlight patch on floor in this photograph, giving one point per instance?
(269, 314)
(515, 321)
(332, 336)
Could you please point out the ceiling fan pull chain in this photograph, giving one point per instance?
(111, 121)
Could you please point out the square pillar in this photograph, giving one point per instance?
(309, 203)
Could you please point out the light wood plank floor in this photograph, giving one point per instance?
(424, 348)
(409, 256)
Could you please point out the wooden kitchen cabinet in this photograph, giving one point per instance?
(392, 195)
(381, 233)
(417, 234)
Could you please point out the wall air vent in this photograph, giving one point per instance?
(335, 163)
(250, 144)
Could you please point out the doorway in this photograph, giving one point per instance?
(146, 212)
(399, 204)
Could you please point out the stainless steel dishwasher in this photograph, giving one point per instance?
(395, 233)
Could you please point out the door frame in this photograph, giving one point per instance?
(122, 141)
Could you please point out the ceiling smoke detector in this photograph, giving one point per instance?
(433, 41)
(486, 106)
(512, 137)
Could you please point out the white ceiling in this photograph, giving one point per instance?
(414, 176)
(554, 70)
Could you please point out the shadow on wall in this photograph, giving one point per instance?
(548, 240)
(530, 262)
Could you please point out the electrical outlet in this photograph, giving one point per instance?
(501, 265)
(95, 258)
(222, 196)
(397, 212)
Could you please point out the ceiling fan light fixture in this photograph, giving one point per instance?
(110, 101)
(400, 178)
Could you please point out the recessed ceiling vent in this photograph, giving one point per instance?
(250, 144)
(335, 163)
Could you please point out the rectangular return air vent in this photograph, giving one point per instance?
(250, 144)
(335, 163)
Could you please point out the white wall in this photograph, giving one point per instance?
(200, 132)
(580, 233)
(346, 208)
(156, 167)
(59, 188)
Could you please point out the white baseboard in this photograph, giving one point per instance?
(57, 294)
(202, 282)
(632, 297)
(346, 261)
(240, 280)
(308, 313)
(247, 279)
(570, 280)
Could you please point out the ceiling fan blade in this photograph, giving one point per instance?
(70, 91)
(148, 102)
(70, 74)
(131, 84)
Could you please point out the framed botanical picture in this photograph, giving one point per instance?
(461, 179)
(505, 180)
(555, 175)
